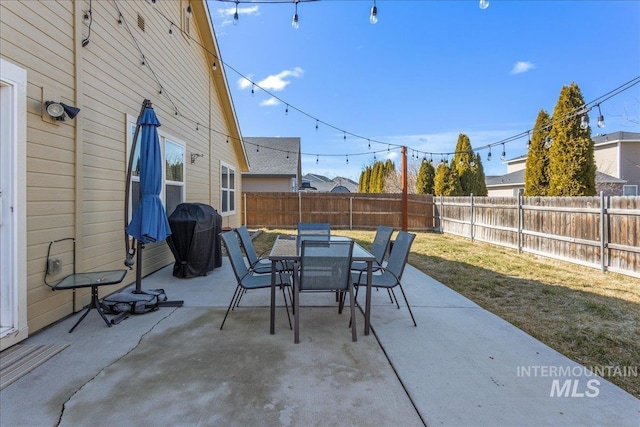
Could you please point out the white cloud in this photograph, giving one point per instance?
(269, 102)
(522, 67)
(244, 83)
(279, 81)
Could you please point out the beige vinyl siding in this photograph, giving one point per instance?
(255, 184)
(606, 157)
(50, 146)
(85, 198)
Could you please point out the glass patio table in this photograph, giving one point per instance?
(285, 248)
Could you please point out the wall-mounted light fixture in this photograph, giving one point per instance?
(194, 157)
(59, 110)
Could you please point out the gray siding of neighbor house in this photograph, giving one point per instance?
(76, 169)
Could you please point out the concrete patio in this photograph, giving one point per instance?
(461, 366)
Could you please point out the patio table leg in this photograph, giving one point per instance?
(367, 306)
(272, 329)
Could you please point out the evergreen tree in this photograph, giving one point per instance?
(453, 187)
(469, 168)
(571, 163)
(480, 188)
(426, 175)
(536, 174)
(440, 179)
(461, 162)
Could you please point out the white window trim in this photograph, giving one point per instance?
(13, 79)
(163, 136)
(235, 188)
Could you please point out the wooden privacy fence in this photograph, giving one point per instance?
(601, 232)
(342, 210)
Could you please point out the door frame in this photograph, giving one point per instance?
(13, 178)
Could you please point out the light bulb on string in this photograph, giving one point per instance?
(483, 4)
(257, 148)
(294, 21)
(171, 28)
(503, 156)
(120, 20)
(286, 110)
(236, 18)
(287, 155)
(373, 17)
(189, 11)
(317, 159)
(489, 155)
(253, 92)
(369, 144)
(472, 162)
(347, 158)
(87, 17)
(316, 125)
(584, 121)
(344, 137)
(600, 118)
(548, 142)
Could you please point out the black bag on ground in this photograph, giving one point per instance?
(134, 303)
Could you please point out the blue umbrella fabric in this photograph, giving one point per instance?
(149, 222)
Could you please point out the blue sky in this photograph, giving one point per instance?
(426, 72)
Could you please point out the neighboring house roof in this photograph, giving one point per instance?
(517, 178)
(616, 136)
(273, 156)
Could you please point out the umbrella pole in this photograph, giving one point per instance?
(139, 268)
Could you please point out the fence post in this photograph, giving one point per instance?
(350, 213)
(440, 215)
(603, 244)
(520, 213)
(299, 206)
(245, 209)
(471, 217)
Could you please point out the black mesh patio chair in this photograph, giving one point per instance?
(379, 247)
(257, 264)
(324, 267)
(390, 275)
(247, 279)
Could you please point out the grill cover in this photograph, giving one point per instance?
(195, 239)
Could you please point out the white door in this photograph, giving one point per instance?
(13, 307)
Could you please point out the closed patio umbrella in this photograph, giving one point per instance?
(149, 222)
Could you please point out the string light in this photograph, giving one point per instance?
(236, 18)
(483, 4)
(574, 113)
(294, 22)
(316, 124)
(189, 10)
(489, 155)
(600, 117)
(373, 17)
(503, 156)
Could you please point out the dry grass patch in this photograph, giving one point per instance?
(590, 317)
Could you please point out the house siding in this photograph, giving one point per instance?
(76, 169)
(606, 158)
(630, 163)
(262, 184)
